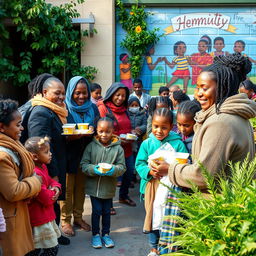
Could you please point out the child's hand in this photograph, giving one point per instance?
(57, 193)
(154, 174)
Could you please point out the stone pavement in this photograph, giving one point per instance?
(126, 231)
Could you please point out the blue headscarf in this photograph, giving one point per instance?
(84, 113)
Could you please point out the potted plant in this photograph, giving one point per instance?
(221, 222)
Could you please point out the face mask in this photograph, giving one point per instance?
(134, 110)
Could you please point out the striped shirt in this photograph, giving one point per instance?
(182, 62)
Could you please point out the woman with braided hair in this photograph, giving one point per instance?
(223, 132)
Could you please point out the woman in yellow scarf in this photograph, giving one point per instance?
(48, 115)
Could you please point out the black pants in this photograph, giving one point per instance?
(45, 252)
(100, 207)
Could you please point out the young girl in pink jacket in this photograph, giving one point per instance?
(41, 209)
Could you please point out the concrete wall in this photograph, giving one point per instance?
(99, 50)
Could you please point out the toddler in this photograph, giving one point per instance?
(95, 92)
(162, 123)
(41, 209)
(101, 186)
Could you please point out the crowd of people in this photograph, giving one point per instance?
(45, 175)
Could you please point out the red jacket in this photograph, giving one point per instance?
(41, 208)
(123, 124)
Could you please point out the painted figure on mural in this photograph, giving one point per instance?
(182, 63)
(219, 45)
(125, 70)
(201, 59)
(239, 46)
(147, 68)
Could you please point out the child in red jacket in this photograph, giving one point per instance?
(41, 209)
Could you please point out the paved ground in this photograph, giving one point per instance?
(126, 231)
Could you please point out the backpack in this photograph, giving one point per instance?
(25, 111)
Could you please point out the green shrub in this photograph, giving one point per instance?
(138, 38)
(49, 41)
(223, 222)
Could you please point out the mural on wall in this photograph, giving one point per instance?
(193, 36)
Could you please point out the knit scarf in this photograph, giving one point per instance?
(85, 112)
(26, 158)
(114, 108)
(61, 112)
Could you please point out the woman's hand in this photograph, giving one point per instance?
(125, 141)
(161, 167)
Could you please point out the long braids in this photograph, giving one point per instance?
(228, 72)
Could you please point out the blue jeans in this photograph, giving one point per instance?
(153, 238)
(127, 178)
(100, 207)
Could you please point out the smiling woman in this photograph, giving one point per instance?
(81, 110)
(222, 130)
(48, 115)
(17, 182)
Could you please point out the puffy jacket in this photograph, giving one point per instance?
(95, 153)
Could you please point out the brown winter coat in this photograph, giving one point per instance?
(219, 138)
(17, 240)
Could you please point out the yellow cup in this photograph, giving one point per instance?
(83, 126)
(181, 161)
(69, 128)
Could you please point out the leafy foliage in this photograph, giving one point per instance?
(222, 222)
(45, 31)
(138, 38)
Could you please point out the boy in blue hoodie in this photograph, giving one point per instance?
(162, 124)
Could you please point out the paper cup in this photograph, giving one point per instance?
(69, 128)
(182, 158)
(83, 126)
(104, 167)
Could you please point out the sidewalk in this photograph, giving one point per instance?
(126, 231)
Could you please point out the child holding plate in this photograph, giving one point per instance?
(102, 162)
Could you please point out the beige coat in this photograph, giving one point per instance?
(17, 240)
(219, 138)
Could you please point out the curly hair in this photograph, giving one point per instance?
(7, 108)
(35, 144)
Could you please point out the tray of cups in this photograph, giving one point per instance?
(70, 129)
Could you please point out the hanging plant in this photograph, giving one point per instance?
(138, 38)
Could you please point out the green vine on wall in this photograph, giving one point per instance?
(138, 38)
(46, 31)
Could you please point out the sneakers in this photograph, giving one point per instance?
(96, 242)
(153, 253)
(108, 242)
